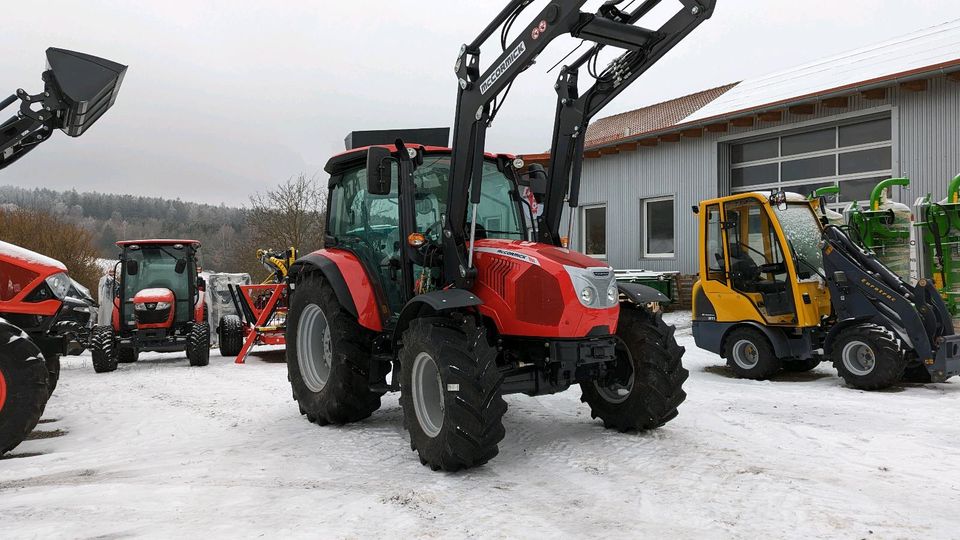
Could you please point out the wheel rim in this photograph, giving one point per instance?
(745, 354)
(616, 392)
(3, 391)
(427, 389)
(314, 348)
(859, 358)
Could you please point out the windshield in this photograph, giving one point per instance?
(802, 230)
(158, 271)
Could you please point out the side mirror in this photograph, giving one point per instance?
(538, 180)
(379, 170)
(181, 266)
(133, 267)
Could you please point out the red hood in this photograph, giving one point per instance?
(153, 295)
(537, 253)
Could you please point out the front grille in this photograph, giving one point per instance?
(494, 274)
(539, 300)
(153, 316)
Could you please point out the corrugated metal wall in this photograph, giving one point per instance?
(926, 148)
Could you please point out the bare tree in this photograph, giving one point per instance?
(291, 214)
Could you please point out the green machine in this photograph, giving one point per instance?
(884, 227)
(938, 231)
(833, 217)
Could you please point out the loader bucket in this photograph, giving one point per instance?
(88, 85)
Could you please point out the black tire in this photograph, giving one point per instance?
(198, 345)
(801, 366)
(345, 395)
(886, 358)
(467, 397)
(127, 355)
(103, 349)
(231, 336)
(51, 357)
(917, 374)
(656, 370)
(750, 355)
(23, 388)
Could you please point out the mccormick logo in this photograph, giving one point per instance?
(504, 66)
(601, 273)
(508, 253)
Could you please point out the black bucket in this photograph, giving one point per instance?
(87, 84)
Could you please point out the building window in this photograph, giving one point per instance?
(854, 155)
(658, 236)
(595, 231)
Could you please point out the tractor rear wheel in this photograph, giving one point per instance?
(801, 366)
(328, 356)
(127, 355)
(23, 388)
(868, 357)
(198, 345)
(231, 336)
(450, 393)
(653, 390)
(103, 349)
(750, 355)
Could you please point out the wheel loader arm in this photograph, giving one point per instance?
(481, 93)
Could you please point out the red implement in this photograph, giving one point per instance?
(265, 309)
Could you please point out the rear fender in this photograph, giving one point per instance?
(349, 280)
(431, 303)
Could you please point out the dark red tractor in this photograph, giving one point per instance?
(438, 274)
(39, 319)
(158, 305)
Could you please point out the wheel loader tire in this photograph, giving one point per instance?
(51, 357)
(800, 366)
(750, 355)
(328, 357)
(23, 388)
(917, 374)
(127, 355)
(198, 345)
(231, 336)
(654, 390)
(103, 349)
(868, 357)
(450, 393)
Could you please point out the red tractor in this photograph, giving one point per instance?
(39, 320)
(158, 305)
(437, 273)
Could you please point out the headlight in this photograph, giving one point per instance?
(587, 295)
(140, 307)
(59, 284)
(163, 305)
(613, 295)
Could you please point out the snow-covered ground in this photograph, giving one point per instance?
(162, 449)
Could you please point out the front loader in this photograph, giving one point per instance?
(436, 281)
(40, 320)
(779, 289)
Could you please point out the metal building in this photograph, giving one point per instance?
(853, 119)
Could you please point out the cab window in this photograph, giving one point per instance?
(714, 245)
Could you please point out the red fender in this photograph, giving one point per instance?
(370, 312)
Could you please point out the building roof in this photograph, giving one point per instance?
(653, 118)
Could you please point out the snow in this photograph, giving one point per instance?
(30, 257)
(161, 449)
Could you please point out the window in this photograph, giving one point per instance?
(595, 231)
(658, 237)
(848, 154)
(715, 262)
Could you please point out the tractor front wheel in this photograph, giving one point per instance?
(23, 388)
(450, 393)
(231, 335)
(128, 355)
(651, 386)
(51, 356)
(868, 357)
(198, 345)
(328, 357)
(103, 349)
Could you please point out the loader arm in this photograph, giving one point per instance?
(479, 91)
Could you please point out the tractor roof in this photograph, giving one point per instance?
(159, 242)
(358, 153)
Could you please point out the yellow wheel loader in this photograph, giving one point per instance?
(782, 289)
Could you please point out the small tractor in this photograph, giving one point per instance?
(262, 309)
(158, 305)
(437, 275)
(39, 321)
(780, 289)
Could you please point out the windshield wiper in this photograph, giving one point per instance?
(799, 259)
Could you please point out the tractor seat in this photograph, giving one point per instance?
(770, 286)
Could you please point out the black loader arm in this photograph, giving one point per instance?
(481, 93)
(78, 89)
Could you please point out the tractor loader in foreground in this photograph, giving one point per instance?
(438, 281)
(779, 289)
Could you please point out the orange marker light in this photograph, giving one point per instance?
(416, 239)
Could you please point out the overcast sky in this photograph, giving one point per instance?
(224, 98)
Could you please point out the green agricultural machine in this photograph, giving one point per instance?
(833, 217)
(938, 245)
(884, 227)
